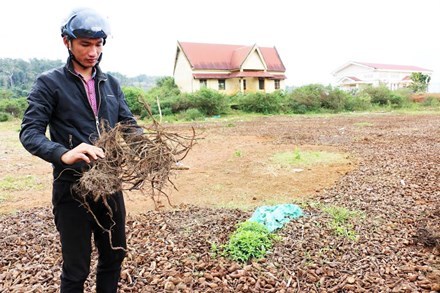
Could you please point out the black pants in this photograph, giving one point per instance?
(76, 225)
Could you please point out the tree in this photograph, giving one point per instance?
(420, 82)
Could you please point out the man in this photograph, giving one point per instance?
(73, 100)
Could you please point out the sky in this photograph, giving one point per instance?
(313, 37)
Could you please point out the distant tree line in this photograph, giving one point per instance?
(18, 75)
(165, 100)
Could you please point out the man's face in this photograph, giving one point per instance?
(86, 51)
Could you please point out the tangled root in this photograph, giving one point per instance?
(136, 158)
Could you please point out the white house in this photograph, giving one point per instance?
(357, 74)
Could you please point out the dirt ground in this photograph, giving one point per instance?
(223, 169)
(388, 180)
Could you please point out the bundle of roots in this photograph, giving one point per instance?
(136, 158)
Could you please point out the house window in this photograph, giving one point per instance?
(261, 83)
(203, 83)
(244, 84)
(277, 84)
(221, 84)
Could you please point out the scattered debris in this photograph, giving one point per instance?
(171, 250)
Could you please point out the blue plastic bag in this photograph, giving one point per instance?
(274, 217)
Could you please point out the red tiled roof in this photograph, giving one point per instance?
(211, 75)
(393, 67)
(238, 56)
(353, 78)
(227, 57)
(272, 59)
(238, 74)
(251, 74)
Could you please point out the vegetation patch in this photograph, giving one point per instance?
(342, 221)
(363, 124)
(304, 158)
(13, 183)
(251, 240)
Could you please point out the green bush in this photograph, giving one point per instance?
(379, 95)
(396, 100)
(250, 240)
(431, 101)
(4, 116)
(181, 103)
(191, 115)
(334, 99)
(134, 97)
(209, 102)
(306, 98)
(13, 106)
(262, 102)
(358, 102)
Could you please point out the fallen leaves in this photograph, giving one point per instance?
(169, 251)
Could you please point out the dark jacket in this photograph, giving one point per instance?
(59, 100)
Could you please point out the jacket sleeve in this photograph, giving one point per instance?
(34, 124)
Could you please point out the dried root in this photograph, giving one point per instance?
(134, 161)
(136, 158)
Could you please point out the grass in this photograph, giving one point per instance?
(12, 125)
(363, 124)
(3, 197)
(13, 183)
(305, 158)
(342, 221)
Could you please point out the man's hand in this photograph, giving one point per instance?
(83, 152)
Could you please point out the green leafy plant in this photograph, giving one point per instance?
(341, 222)
(215, 249)
(250, 240)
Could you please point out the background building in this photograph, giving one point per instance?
(357, 74)
(228, 68)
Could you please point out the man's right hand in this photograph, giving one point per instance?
(83, 152)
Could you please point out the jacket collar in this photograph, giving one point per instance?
(99, 75)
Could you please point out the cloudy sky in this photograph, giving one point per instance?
(313, 37)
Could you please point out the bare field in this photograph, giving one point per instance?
(389, 173)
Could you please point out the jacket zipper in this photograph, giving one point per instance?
(70, 141)
(97, 108)
(99, 104)
(97, 125)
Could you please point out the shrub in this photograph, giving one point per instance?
(191, 115)
(334, 99)
(4, 117)
(306, 98)
(134, 96)
(14, 106)
(208, 101)
(379, 95)
(262, 102)
(250, 240)
(358, 102)
(431, 101)
(396, 100)
(181, 103)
